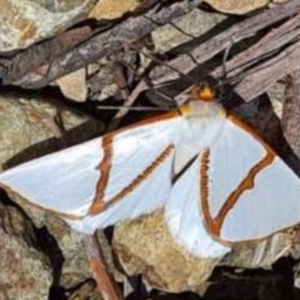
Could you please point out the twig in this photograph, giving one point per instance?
(105, 281)
(37, 57)
(135, 27)
(273, 41)
(268, 46)
(130, 100)
(102, 44)
(120, 79)
(262, 76)
(133, 108)
(291, 116)
(187, 62)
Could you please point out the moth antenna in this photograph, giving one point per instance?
(134, 108)
(123, 87)
(223, 79)
(161, 62)
(172, 100)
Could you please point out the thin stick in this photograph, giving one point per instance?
(134, 108)
(104, 279)
(142, 86)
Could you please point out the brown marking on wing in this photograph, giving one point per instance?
(204, 185)
(161, 117)
(246, 184)
(215, 224)
(95, 209)
(240, 123)
(105, 168)
(98, 204)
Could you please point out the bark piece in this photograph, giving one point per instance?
(100, 45)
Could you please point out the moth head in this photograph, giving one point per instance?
(204, 92)
(202, 101)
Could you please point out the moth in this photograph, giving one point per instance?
(220, 184)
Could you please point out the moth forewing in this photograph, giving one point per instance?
(72, 182)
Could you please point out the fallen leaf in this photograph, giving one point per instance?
(238, 7)
(112, 9)
(73, 85)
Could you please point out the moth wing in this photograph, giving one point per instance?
(184, 216)
(63, 182)
(115, 176)
(251, 192)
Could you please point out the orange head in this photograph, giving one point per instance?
(205, 92)
(202, 101)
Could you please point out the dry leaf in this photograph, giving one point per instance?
(238, 7)
(112, 9)
(73, 85)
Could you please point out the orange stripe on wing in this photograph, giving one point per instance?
(98, 204)
(245, 127)
(97, 208)
(247, 183)
(161, 117)
(215, 224)
(105, 168)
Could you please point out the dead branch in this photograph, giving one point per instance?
(291, 116)
(187, 62)
(38, 56)
(267, 58)
(105, 281)
(102, 44)
(252, 70)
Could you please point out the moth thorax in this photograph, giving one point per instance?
(205, 108)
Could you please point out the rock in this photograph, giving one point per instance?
(26, 272)
(86, 290)
(145, 246)
(75, 266)
(25, 22)
(27, 130)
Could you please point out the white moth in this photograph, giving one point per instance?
(230, 186)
